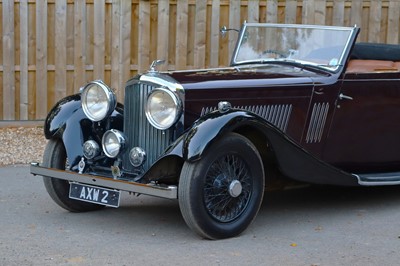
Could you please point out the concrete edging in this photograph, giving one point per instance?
(21, 123)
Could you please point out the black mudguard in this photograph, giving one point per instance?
(293, 161)
(67, 121)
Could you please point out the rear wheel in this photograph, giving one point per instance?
(55, 157)
(220, 195)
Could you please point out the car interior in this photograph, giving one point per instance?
(374, 57)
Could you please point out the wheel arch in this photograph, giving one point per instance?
(282, 154)
(274, 178)
(67, 122)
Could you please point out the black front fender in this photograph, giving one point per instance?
(212, 126)
(293, 161)
(67, 121)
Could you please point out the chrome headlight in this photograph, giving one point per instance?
(98, 100)
(113, 142)
(91, 149)
(163, 108)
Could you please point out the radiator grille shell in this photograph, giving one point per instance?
(138, 131)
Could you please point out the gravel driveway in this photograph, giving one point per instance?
(21, 145)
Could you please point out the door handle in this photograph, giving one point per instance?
(345, 97)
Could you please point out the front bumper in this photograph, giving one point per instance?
(168, 192)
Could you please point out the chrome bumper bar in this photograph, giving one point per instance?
(169, 192)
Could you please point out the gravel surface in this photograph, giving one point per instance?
(21, 145)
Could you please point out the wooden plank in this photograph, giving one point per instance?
(190, 36)
(163, 33)
(393, 27)
(8, 61)
(200, 34)
(308, 12)
(291, 11)
(51, 21)
(144, 36)
(356, 13)
(215, 33)
(272, 11)
(99, 39)
(374, 25)
(115, 43)
(89, 38)
(32, 61)
(181, 34)
(234, 23)
(320, 12)
(338, 13)
(23, 61)
(125, 52)
(79, 44)
(107, 42)
(253, 11)
(60, 50)
(41, 60)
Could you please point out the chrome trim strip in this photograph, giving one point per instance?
(168, 192)
(317, 122)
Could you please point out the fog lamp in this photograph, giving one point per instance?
(91, 149)
(137, 156)
(113, 142)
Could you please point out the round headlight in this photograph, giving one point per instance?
(163, 108)
(113, 142)
(98, 100)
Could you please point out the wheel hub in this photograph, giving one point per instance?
(235, 188)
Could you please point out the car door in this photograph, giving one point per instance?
(320, 114)
(365, 130)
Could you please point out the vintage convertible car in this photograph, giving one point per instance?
(298, 104)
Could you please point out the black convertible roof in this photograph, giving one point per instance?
(376, 51)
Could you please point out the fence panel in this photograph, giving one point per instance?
(50, 48)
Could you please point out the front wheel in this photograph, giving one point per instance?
(55, 157)
(220, 195)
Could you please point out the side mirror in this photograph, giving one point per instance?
(224, 30)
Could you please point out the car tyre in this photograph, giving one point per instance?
(58, 189)
(220, 194)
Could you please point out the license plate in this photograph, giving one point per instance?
(97, 195)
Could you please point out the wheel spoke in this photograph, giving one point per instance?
(218, 201)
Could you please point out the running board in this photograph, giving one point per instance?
(169, 192)
(378, 179)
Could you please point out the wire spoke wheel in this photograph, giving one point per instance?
(227, 188)
(220, 195)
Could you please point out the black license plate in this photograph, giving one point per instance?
(98, 195)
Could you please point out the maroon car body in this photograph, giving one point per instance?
(298, 103)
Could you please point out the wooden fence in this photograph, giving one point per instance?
(50, 48)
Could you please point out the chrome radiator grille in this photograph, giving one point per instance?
(137, 129)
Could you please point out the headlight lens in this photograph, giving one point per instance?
(113, 142)
(163, 108)
(98, 100)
